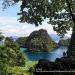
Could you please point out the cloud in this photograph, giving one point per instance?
(11, 27)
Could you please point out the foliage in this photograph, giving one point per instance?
(40, 41)
(21, 41)
(35, 11)
(7, 57)
(58, 12)
(10, 55)
(9, 42)
(64, 42)
(3, 69)
(7, 3)
(1, 36)
(38, 10)
(23, 70)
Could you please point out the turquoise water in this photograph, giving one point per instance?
(56, 53)
(23, 49)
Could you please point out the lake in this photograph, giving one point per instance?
(56, 53)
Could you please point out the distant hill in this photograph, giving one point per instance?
(57, 38)
(40, 41)
(54, 37)
(64, 42)
(15, 38)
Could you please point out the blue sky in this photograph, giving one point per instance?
(9, 25)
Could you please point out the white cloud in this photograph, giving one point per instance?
(11, 27)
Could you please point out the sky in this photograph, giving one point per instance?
(10, 26)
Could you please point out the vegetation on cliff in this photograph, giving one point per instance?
(40, 41)
(21, 41)
(64, 42)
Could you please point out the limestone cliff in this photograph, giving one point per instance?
(40, 41)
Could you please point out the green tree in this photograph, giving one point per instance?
(10, 56)
(1, 36)
(38, 10)
(7, 58)
(21, 41)
(9, 42)
(64, 42)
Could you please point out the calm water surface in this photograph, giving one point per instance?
(56, 53)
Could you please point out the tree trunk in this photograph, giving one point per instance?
(71, 48)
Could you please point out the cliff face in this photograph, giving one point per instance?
(40, 41)
(63, 42)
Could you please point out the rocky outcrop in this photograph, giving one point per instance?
(40, 41)
(63, 66)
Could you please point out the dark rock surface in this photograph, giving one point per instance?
(40, 40)
(63, 64)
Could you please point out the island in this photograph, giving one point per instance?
(40, 41)
(64, 42)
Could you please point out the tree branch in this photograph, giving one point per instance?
(71, 13)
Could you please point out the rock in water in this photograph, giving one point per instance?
(40, 41)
